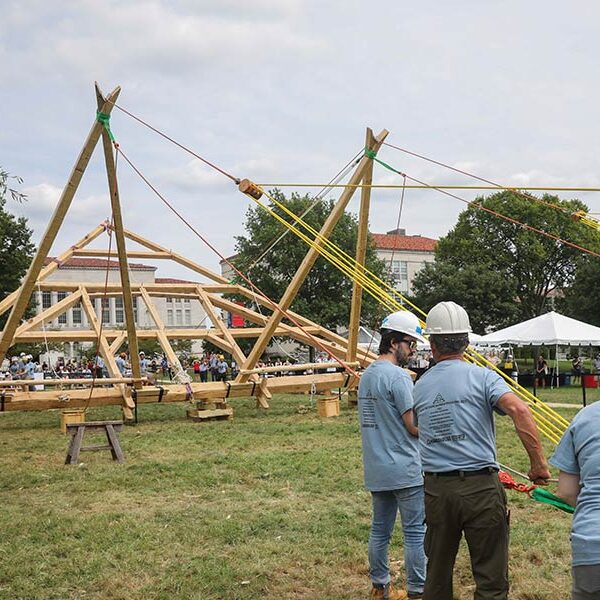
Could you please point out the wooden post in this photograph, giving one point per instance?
(161, 336)
(109, 159)
(309, 260)
(56, 221)
(361, 254)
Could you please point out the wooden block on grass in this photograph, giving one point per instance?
(216, 414)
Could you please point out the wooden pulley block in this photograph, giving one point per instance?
(247, 187)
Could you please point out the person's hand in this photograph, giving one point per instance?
(539, 474)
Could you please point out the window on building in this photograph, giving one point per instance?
(186, 300)
(177, 300)
(169, 300)
(187, 315)
(46, 300)
(77, 314)
(119, 311)
(399, 273)
(170, 317)
(105, 310)
(178, 317)
(134, 299)
(62, 319)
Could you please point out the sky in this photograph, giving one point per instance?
(281, 91)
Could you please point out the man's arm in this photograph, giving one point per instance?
(569, 487)
(409, 421)
(528, 433)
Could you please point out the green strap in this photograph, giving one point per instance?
(370, 153)
(542, 495)
(104, 118)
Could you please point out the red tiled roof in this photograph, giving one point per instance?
(96, 263)
(417, 243)
(172, 280)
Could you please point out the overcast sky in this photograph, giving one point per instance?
(281, 91)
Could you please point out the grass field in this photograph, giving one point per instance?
(269, 505)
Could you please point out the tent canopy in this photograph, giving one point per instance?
(548, 329)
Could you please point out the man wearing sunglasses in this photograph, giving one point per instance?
(392, 467)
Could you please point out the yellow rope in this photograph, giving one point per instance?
(549, 421)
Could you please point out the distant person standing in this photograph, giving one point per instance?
(576, 369)
(541, 370)
(578, 458)
(392, 467)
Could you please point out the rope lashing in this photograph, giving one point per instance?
(372, 154)
(535, 492)
(104, 118)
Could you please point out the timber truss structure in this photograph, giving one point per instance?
(270, 320)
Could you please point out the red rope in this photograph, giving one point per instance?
(510, 484)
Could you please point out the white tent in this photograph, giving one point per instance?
(550, 329)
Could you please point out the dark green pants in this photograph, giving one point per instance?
(474, 505)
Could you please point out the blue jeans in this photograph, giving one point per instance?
(410, 503)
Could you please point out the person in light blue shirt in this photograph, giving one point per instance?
(392, 468)
(454, 404)
(577, 456)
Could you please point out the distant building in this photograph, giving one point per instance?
(404, 255)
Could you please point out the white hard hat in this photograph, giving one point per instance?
(447, 318)
(404, 321)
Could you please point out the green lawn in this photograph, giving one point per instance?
(267, 506)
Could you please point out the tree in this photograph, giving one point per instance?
(582, 299)
(325, 294)
(16, 248)
(500, 271)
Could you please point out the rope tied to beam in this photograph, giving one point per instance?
(104, 119)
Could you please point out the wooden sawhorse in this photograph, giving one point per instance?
(77, 431)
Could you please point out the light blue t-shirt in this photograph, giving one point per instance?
(578, 453)
(390, 453)
(454, 406)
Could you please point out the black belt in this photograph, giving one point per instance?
(484, 471)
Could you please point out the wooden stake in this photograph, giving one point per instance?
(361, 254)
(109, 160)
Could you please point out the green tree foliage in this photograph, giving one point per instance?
(500, 271)
(325, 295)
(582, 299)
(16, 248)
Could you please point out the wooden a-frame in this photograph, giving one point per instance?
(127, 391)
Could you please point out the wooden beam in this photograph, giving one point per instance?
(361, 253)
(49, 269)
(91, 252)
(50, 313)
(104, 349)
(117, 342)
(217, 322)
(64, 202)
(161, 335)
(182, 260)
(117, 220)
(80, 397)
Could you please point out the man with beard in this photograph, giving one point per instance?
(392, 466)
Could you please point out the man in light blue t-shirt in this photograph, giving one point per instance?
(455, 402)
(391, 462)
(578, 458)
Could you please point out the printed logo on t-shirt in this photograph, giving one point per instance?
(441, 422)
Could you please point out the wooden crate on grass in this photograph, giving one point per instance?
(328, 407)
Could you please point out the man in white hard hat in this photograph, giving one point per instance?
(455, 403)
(391, 462)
